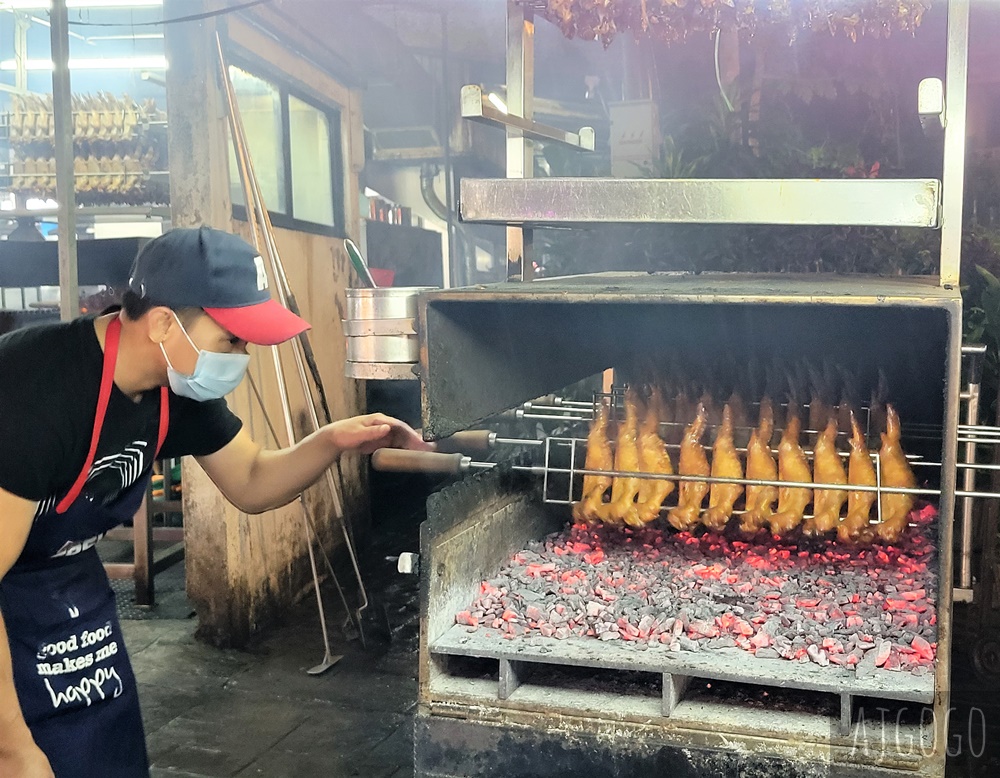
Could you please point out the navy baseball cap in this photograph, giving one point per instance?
(220, 273)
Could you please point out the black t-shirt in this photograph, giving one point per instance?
(50, 377)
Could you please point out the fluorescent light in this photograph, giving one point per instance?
(45, 5)
(499, 104)
(157, 62)
(146, 36)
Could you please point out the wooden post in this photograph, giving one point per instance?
(199, 194)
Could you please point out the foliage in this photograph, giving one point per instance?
(677, 20)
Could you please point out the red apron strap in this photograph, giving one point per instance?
(161, 435)
(111, 340)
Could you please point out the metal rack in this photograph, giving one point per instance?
(521, 202)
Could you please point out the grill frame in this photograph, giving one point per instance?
(479, 553)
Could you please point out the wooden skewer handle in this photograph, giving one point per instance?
(395, 460)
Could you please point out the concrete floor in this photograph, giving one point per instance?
(211, 713)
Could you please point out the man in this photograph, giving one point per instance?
(85, 407)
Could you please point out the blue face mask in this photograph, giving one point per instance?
(215, 375)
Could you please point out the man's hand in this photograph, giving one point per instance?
(26, 760)
(365, 434)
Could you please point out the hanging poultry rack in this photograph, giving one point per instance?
(562, 455)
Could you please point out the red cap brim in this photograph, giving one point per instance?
(265, 324)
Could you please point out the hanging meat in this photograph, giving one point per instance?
(896, 473)
(827, 469)
(860, 472)
(692, 461)
(653, 459)
(760, 467)
(725, 464)
(792, 466)
(599, 457)
(625, 489)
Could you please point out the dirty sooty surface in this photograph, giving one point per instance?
(804, 601)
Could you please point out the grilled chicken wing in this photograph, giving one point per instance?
(653, 458)
(896, 472)
(693, 461)
(599, 457)
(861, 472)
(762, 467)
(827, 469)
(725, 464)
(792, 466)
(625, 489)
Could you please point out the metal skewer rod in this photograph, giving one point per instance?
(541, 469)
(284, 294)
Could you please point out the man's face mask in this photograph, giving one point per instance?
(215, 375)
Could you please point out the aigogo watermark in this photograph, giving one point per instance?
(881, 732)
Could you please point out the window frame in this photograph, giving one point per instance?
(333, 116)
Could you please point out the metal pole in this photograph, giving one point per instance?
(449, 270)
(21, 24)
(969, 485)
(953, 174)
(62, 114)
(520, 102)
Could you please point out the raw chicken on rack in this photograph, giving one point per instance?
(760, 467)
(625, 489)
(792, 466)
(693, 461)
(827, 469)
(896, 473)
(725, 464)
(599, 457)
(860, 472)
(654, 460)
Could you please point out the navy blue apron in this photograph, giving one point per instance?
(71, 671)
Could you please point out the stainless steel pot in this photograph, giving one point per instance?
(395, 302)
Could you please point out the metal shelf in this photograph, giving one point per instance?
(863, 202)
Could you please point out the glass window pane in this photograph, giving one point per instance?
(312, 172)
(260, 107)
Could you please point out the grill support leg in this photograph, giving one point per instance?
(512, 675)
(674, 687)
(846, 709)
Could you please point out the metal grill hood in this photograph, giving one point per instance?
(486, 349)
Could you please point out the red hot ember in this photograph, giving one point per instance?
(818, 601)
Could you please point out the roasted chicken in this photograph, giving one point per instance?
(761, 467)
(725, 464)
(792, 466)
(860, 472)
(599, 457)
(653, 458)
(625, 489)
(896, 473)
(827, 469)
(692, 461)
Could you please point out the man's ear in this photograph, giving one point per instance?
(159, 322)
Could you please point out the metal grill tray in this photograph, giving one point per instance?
(723, 664)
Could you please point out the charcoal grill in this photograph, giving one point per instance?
(496, 704)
